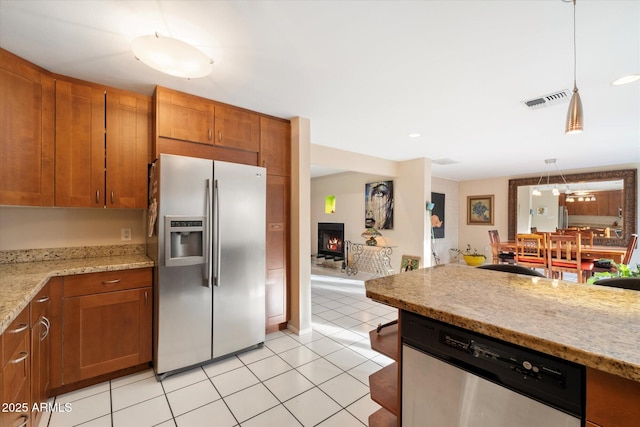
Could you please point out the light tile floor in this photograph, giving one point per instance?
(316, 379)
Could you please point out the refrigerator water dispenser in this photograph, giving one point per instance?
(184, 240)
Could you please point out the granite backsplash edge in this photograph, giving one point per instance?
(50, 254)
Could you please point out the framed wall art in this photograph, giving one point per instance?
(409, 262)
(378, 202)
(437, 215)
(480, 210)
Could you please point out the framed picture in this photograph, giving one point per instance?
(437, 215)
(378, 202)
(480, 210)
(409, 262)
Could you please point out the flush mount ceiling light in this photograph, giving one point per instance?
(172, 56)
(414, 135)
(626, 79)
(575, 117)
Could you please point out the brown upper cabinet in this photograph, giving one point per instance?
(607, 203)
(275, 150)
(102, 146)
(26, 133)
(190, 118)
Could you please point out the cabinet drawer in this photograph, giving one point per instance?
(108, 281)
(14, 335)
(39, 304)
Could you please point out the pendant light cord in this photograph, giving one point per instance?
(575, 60)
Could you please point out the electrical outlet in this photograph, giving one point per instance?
(125, 234)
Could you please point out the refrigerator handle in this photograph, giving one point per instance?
(207, 244)
(216, 281)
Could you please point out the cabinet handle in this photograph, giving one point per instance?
(25, 417)
(47, 326)
(97, 197)
(219, 136)
(21, 327)
(43, 299)
(21, 358)
(112, 197)
(145, 298)
(110, 282)
(210, 134)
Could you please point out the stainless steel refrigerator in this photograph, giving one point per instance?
(207, 237)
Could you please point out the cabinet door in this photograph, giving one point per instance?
(128, 147)
(612, 401)
(106, 332)
(237, 128)
(15, 384)
(277, 249)
(79, 145)
(40, 364)
(185, 117)
(40, 349)
(15, 371)
(26, 133)
(275, 146)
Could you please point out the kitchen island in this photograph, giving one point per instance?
(593, 326)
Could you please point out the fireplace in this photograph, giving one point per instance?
(331, 240)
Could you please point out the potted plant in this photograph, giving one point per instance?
(471, 257)
(618, 270)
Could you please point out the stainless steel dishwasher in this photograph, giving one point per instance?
(452, 377)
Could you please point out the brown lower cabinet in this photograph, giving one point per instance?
(107, 323)
(612, 401)
(40, 351)
(15, 373)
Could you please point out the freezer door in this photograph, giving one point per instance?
(239, 257)
(183, 300)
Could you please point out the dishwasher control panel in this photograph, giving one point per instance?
(546, 378)
(528, 365)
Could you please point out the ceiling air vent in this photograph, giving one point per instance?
(445, 161)
(548, 100)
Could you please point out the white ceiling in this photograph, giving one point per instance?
(368, 73)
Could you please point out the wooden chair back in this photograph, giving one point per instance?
(565, 256)
(531, 251)
(631, 246)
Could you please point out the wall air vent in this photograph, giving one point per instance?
(548, 100)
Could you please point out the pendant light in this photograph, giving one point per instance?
(575, 117)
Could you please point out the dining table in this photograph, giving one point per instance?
(589, 252)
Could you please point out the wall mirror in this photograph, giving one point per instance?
(620, 230)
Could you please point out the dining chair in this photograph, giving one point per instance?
(531, 251)
(565, 256)
(608, 267)
(499, 257)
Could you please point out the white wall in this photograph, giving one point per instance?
(40, 228)
(477, 235)
(547, 220)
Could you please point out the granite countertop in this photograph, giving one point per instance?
(20, 282)
(595, 326)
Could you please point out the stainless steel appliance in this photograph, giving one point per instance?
(563, 217)
(208, 242)
(457, 378)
